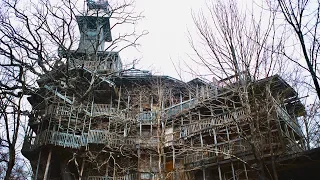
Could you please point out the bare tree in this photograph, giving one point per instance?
(239, 51)
(302, 19)
(30, 34)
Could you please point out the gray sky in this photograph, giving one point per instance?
(168, 23)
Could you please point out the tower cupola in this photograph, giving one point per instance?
(94, 27)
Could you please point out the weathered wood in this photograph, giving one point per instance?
(245, 171)
(81, 170)
(45, 177)
(38, 164)
(219, 171)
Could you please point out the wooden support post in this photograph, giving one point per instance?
(228, 138)
(37, 170)
(45, 177)
(140, 129)
(233, 174)
(219, 170)
(151, 129)
(128, 103)
(151, 104)
(70, 115)
(201, 140)
(140, 105)
(215, 140)
(197, 91)
(245, 171)
(173, 162)
(107, 168)
(150, 160)
(180, 101)
(110, 102)
(181, 120)
(204, 174)
(286, 130)
(81, 170)
(119, 99)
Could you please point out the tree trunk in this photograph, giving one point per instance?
(11, 161)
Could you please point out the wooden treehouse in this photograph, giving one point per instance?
(91, 119)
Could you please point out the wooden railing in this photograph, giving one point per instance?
(287, 118)
(103, 109)
(66, 110)
(209, 123)
(221, 150)
(147, 117)
(77, 141)
(125, 177)
(148, 143)
(59, 110)
(178, 108)
(91, 65)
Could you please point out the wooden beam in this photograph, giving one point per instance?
(219, 170)
(245, 171)
(45, 177)
(81, 170)
(36, 175)
(119, 99)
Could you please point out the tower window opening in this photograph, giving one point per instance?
(92, 25)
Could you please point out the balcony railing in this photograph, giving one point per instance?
(125, 177)
(91, 65)
(209, 123)
(287, 118)
(148, 143)
(221, 150)
(67, 110)
(178, 108)
(147, 117)
(103, 109)
(77, 141)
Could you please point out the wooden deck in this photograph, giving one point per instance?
(126, 177)
(90, 65)
(70, 110)
(221, 150)
(67, 140)
(209, 123)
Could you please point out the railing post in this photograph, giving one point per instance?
(47, 166)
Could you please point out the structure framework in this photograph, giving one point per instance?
(91, 119)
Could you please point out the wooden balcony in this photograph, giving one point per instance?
(67, 110)
(150, 143)
(91, 65)
(147, 117)
(126, 177)
(219, 151)
(209, 123)
(67, 140)
(178, 108)
(283, 114)
(104, 109)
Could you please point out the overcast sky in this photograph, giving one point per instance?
(167, 22)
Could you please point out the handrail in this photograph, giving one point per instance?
(146, 116)
(208, 123)
(97, 110)
(287, 118)
(77, 141)
(225, 151)
(132, 176)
